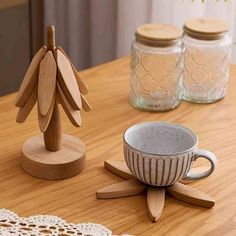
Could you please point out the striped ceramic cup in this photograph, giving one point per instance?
(161, 153)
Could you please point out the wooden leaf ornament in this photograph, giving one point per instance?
(30, 79)
(122, 189)
(190, 195)
(46, 82)
(119, 168)
(49, 80)
(44, 120)
(82, 87)
(85, 104)
(24, 111)
(155, 202)
(73, 115)
(67, 81)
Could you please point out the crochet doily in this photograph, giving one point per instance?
(11, 224)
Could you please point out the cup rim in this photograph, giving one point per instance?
(162, 154)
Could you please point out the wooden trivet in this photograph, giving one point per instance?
(155, 195)
(51, 79)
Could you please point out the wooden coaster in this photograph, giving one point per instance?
(155, 195)
(37, 161)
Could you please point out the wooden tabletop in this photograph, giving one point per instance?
(75, 200)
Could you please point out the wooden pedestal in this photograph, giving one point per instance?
(37, 161)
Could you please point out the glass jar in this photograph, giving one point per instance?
(206, 60)
(156, 67)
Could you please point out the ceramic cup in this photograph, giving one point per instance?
(161, 153)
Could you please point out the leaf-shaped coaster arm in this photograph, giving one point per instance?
(51, 79)
(82, 87)
(30, 79)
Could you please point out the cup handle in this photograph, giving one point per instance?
(210, 157)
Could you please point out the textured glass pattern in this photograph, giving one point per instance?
(206, 72)
(155, 77)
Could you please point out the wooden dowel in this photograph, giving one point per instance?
(53, 133)
(50, 37)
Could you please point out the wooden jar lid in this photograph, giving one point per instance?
(158, 35)
(205, 28)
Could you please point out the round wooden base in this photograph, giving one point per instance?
(37, 161)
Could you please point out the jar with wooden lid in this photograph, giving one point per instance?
(156, 67)
(206, 60)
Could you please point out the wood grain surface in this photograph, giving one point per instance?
(75, 199)
(24, 111)
(190, 195)
(53, 132)
(73, 115)
(85, 104)
(44, 120)
(119, 168)
(30, 79)
(126, 188)
(206, 25)
(155, 202)
(82, 87)
(46, 82)
(66, 162)
(159, 31)
(67, 81)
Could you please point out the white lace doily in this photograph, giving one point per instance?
(11, 224)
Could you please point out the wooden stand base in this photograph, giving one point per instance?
(155, 195)
(37, 161)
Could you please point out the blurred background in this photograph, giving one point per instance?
(90, 31)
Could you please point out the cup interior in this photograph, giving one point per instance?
(160, 138)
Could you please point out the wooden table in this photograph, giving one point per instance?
(75, 200)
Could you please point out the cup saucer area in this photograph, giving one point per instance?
(155, 195)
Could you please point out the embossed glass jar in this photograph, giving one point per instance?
(206, 60)
(156, 67)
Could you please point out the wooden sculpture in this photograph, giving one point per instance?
(155, 195)
(51, 79)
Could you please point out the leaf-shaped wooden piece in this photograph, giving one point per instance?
(30, 79)
(85, 104)
(44, 120)
(82, 87)
(119, 168)
(46, 82)
(155, 202)
(122, 189)
(67, 81)
(73, 115)
(190, 195)
(24, 111)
